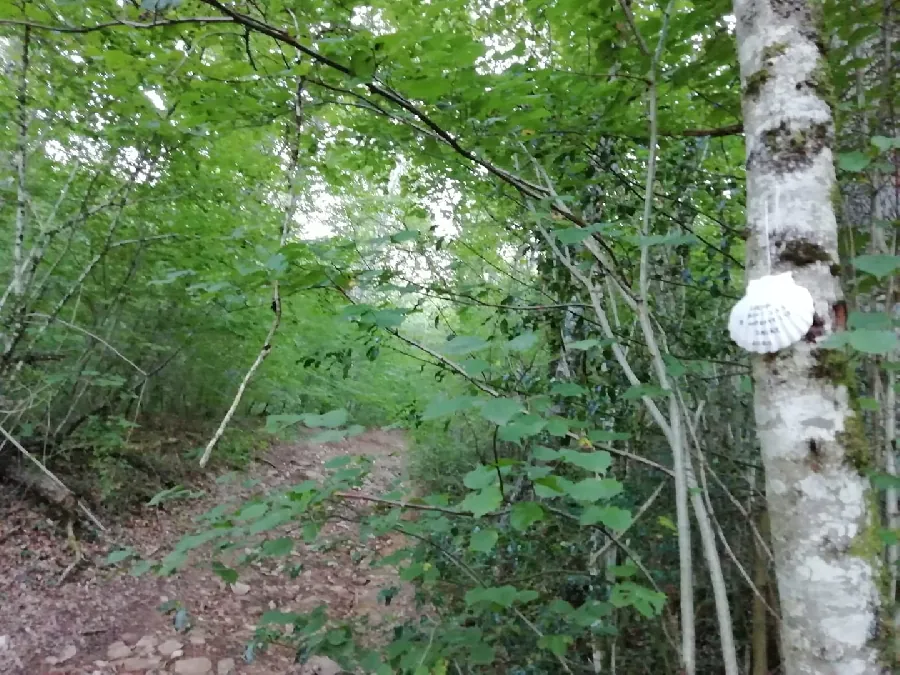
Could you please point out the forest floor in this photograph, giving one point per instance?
(102, 620)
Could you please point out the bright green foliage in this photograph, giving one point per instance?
(413, 191)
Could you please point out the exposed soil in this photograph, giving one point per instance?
(102, 620)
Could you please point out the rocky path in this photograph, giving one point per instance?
(100, 621)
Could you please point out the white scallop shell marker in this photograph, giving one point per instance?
(775, 313)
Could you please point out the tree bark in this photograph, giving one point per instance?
(813, 449)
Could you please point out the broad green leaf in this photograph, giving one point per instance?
(275, 617)
(545, 454)
(639, 391)
(404, 235)
(523, 427)
(118, 556)
(504, 596)
(331, 419)
(480, 477)
(253, 511)
(500, 410)
(853, 161)
(594, 489)
(598, 461)
(278, 547)
(482, 502)
(869, 320)
(525, 514)
(646, 601)
(885, 143)
(556, 644)
(481, 654)
(483, 541)
(275, 423)
(522, 342)
(442, 407)
(558, 427)
(549, 487)
(879, 266)
(584, 345)
(228, 575)
(610, 516)
(874, 341)
(465, 344)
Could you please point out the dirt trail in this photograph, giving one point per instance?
(99, 622)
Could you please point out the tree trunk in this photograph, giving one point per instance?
(810, 435)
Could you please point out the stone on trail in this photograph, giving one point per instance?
(225, 667)
(118, 650)
(140, 663)
(320, 665)
(199, 665)
(239, 588)
(169, 647)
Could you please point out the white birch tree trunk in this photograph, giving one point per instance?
(812, 444)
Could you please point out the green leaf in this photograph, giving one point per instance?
(483, 541)
(228, 575)
(331, 419)
(500, 410)
(667, 523)
(644, 600)
(545, 454)
(556, 644)
(884, 143)
(601, 436)
(584, 345)
(270, 521)
(674, 367)
(404, 235)
(866, 403)
(548, 487)
(118, 556)
(525, 514)
(558, 427)
(598, 461)
(522, 342)
(639, 391)
(879, 266)
(481, 654)
(482, 502)
(475, 367)
(253, 511)
(441, 407)
(567, 389)
(594, 489)
(274, 617)
(523, 427)
(874, 341)
(853, 161)
(278, 547)
(610, 516)
(504, 596)
(140, 567)
(465, 344)
(275, 423)
(869, 320)
(480, 477)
